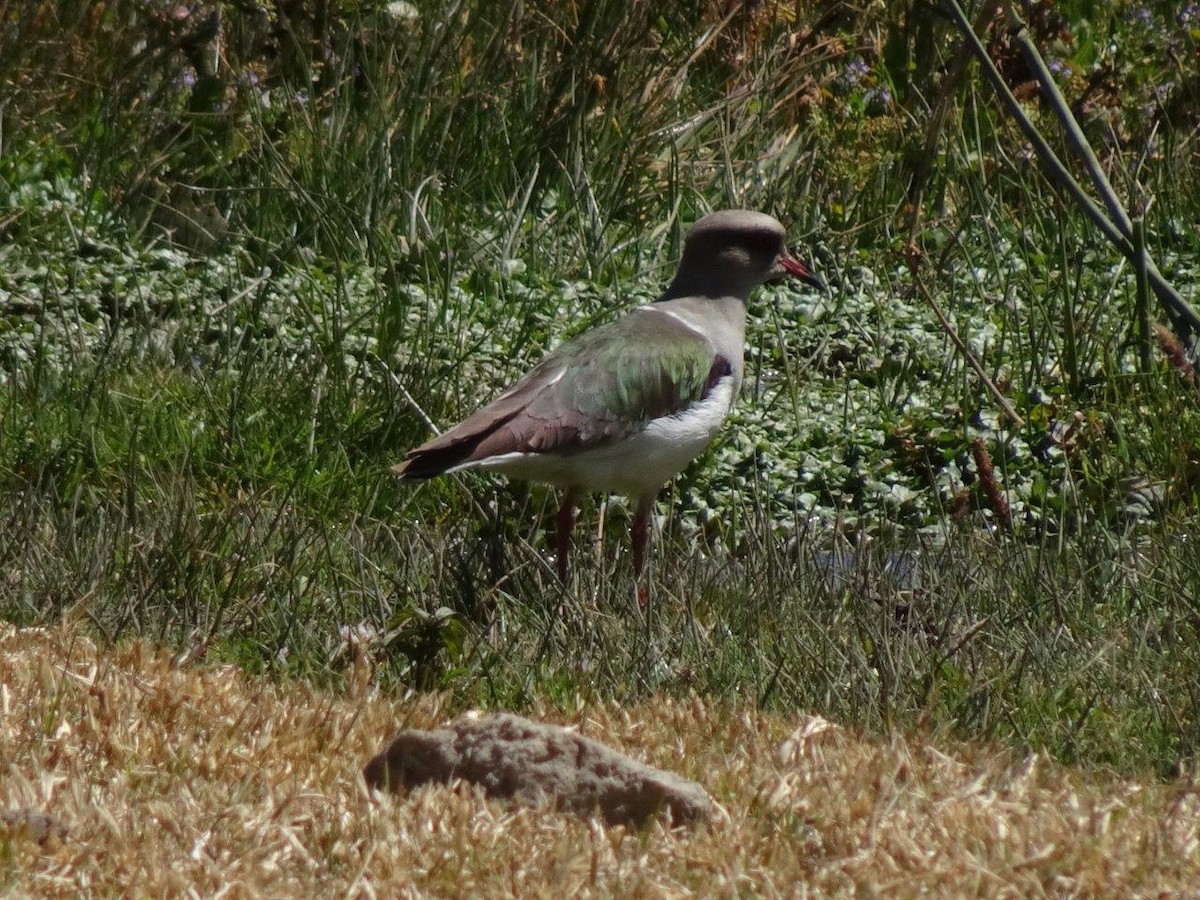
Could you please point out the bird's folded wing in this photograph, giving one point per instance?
(601, 386)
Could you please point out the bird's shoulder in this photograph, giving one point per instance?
(642, 366)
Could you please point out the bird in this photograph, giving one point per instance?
(624, 407)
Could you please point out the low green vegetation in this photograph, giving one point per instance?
(250, 254)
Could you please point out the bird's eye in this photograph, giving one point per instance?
(760, 242)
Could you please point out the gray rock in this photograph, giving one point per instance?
(537, 764)
(30, 823)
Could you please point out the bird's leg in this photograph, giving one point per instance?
(566, 525)
(639, 532)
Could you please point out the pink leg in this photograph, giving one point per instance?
(566, 525)
(640, 534)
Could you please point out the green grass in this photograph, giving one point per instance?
(196, 428)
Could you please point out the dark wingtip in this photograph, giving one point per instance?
(430, 460)
(420, 468)
(401, 471)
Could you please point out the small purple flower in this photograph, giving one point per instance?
(1189, 15)
(1142, 15)
(850, 77)
(1058, 67)
(878, 101)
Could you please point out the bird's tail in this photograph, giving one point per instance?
(428, 461)
(454, 447)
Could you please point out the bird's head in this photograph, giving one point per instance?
(729, 253)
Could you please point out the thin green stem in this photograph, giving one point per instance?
(1175, 305)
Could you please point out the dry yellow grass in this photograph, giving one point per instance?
(198, 779)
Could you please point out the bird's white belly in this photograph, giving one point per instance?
(634, 466)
